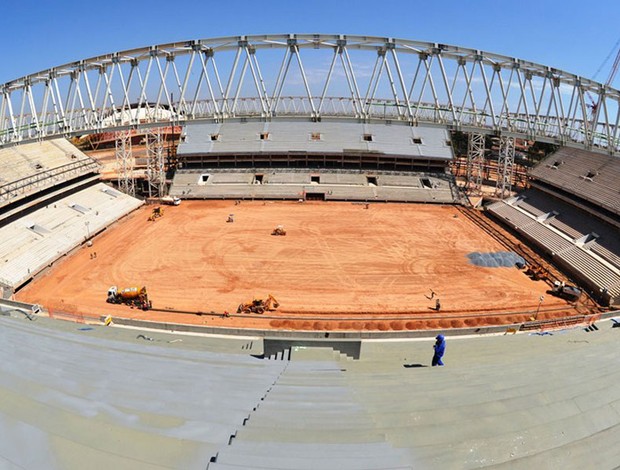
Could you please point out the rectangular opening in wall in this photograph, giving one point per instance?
(315, 196)
(371, 180)
(315, 136)
(79, 208)
(367, 137)
(426, 183)
(215, 137)
(590, 175)
(315, 179)
(258, 178)
(417, 140)
(204, 178)
(264, 136)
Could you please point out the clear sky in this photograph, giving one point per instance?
(573, 35)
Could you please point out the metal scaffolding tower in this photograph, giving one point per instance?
(505, 166)
(475, 162)
(155, 174)
(124, 162)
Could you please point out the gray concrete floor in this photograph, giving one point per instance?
(79, 396)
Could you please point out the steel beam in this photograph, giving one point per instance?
(220, 78)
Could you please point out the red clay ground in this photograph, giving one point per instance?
(339, 267)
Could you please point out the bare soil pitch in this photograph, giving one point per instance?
(340, 266)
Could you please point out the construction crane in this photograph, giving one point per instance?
(610, 78)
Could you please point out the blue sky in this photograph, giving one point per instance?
(572, 35)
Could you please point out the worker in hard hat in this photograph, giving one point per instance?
(440, 349)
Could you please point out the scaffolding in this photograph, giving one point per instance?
(475, 163)
(505, 166)
(155, 172)
(124, 162)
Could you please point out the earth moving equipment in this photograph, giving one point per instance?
(259, 305)
(231, 218)
(563, 291)
(156, 213)
(132, 296)
(279, 230)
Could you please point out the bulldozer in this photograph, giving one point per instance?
(279, 231)
(132, 296)
(259, 305)
(156, 213)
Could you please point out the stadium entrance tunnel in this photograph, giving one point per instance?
(315, 196)
(285, 348)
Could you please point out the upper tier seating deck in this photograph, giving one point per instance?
(30, 168)
(590, 176)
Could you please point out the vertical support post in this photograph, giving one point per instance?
(124, 162)
(155, 174)
(505, 166)
(475, 163)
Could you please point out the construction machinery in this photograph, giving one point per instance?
(259, 305)
(132, 296)
(566, 292)
(231, 218)
(170, 201)
(156, 213)
(279, 231)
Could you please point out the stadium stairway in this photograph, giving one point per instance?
(113, 397)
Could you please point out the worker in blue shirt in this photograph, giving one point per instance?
(440, 349)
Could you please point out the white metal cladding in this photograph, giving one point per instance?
(314, 76)
(281, 136)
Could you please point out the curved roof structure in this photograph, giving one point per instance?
(313, 76)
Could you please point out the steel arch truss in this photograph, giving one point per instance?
(312, 76)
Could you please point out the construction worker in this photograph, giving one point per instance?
(437, 305)
(440, 349)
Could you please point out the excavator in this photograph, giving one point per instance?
(259, 305)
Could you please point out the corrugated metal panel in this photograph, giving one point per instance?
(316, 137)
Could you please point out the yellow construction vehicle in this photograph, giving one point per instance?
(133, 296)
(259, 305)
(156, 213)
(279, 230)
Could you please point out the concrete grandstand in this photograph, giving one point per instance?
(344, 386)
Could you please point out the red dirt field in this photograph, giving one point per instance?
(340, 267)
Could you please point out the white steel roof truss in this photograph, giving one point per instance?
(286, 61)
(34, 122)
(327, 80)
(429, 65)
(163, 88)
(107, 93)
(352, 81)
(304, 78)
(231, 77)
(448, 90)
(504, 113)
(373, 83)
(386, 64)
(254, 65)
(262, 94)
(489, 100)
(182, 102)
(421, 59)
(469, 93)
(21, 119)
(204, 60)
(126, 104)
